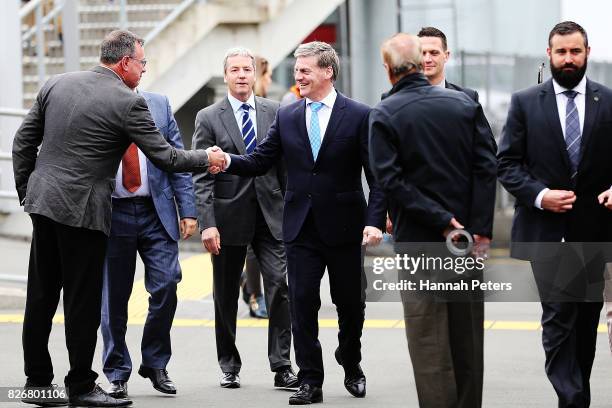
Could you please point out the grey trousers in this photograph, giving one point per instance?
(445, 342)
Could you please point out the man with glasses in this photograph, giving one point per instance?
(87, 120)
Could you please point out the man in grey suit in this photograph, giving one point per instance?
(87, 120)
(238, 211)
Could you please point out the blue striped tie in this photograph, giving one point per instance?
(248, 130)
(572, 131)
(315, 129)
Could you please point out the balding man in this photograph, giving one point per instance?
(433, 154)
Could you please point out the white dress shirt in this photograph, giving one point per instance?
(238, 112)
(324, 113)
(579, 100)
(143, 190)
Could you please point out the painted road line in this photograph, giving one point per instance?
(323, 323)
(195, 284)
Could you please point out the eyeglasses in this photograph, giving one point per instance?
(143, 61)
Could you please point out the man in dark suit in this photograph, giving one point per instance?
(236, 211)
(434, 47)
(144, 221)
(87, 120)
(433, 154)
(323, 142)
(554, 159)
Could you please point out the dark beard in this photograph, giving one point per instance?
(570, 79)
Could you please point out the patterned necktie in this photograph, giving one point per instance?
(131, 169)
(572, 131)
(248, 130)
(315, 129)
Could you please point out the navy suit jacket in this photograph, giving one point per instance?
(169, 191)
(329, 187)
(532, 155)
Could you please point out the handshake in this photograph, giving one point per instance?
(217, 160)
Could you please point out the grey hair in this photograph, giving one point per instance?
(326, 55)
(118, 44)
(235, 52)
(402, 53)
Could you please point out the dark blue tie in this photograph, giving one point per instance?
(572, 131)
(248, 130)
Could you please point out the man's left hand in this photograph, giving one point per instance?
(371, 236)
(605, 199)
(188, 227)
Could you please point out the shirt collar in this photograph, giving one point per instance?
(442, 83)
(580, 88)
(237, 103)
(328, 101)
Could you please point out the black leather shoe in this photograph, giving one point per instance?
(97, 398)
(159, 378)
(306, 394)
(285, 378)
(118, 389)
(355, 382)
(354, 379)
(230, 380)
(55, 399)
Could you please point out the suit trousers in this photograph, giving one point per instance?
(136, 228)
(227, 268)
(445, 343)
(569, 328)
(307, 258)
(68, 258)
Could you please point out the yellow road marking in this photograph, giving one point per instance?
(323, 323)
(196, 284)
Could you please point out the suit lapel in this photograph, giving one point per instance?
(231, 126)
(334, 121)
(591, 111)
(549, 106)
(261, 117)
(300, 117)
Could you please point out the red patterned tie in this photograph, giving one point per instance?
(131, 169)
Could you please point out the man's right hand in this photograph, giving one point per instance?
(211, 240)
(216, 159)
(558, 201)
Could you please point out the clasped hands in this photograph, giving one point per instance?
(216, 160)
(482, 243)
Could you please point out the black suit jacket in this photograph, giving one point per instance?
(329, 187)
(87, 120)
(532, 156)
(469, 92)
(230, 202)
(433, 153)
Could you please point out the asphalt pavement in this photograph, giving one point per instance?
(514, 360)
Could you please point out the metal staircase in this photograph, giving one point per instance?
(185, 39)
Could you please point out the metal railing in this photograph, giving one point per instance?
(5, 156)
(40, 22)
(176, 13)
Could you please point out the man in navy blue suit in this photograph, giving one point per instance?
(554, 158)
(145, 203)
(323, 140)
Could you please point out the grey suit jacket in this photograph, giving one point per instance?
(229, 202)
(85, 122)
